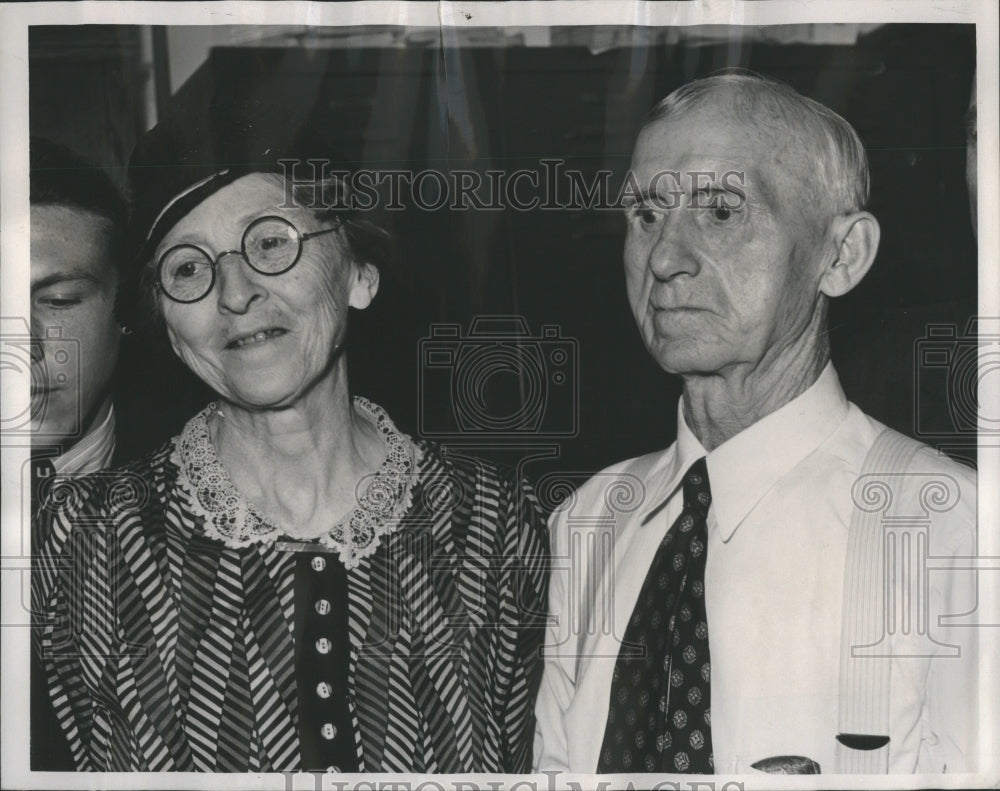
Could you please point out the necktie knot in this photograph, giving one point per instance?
(697, 493)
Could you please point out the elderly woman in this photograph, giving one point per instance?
(291, 582)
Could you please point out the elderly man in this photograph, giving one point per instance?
(699, 622)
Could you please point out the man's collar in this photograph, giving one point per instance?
(665, 477)
(93, 452)
(745, 467)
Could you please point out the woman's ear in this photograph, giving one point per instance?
(856, 237)
(364, 285)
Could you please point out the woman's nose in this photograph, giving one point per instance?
(239, 285)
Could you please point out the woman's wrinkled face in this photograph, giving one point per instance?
(262, 341)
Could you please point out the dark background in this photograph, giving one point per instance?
(905, 88)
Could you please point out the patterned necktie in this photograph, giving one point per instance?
(658, 718)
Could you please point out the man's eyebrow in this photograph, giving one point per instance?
(711, 191)
(65, 277)
(635, 200)
(710, 187)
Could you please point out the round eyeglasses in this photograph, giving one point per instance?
(271, 246)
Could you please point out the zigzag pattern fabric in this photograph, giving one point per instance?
(166, 650)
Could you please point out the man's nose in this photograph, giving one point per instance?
(671, 254)
(239, 285)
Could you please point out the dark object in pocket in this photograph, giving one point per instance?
(787, 765)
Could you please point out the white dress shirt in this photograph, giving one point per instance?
(93, 452)
(778, 527)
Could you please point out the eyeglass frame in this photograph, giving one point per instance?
(214, 263)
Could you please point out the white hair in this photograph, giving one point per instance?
(842, 179)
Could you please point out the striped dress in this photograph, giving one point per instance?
(167, 649)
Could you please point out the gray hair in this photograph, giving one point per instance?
(842, 181)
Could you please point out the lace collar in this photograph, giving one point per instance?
(229, 518)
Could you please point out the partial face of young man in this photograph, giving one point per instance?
(73, 285)
(729, 278)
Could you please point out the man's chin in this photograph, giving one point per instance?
(684, 355)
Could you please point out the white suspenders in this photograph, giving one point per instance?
(863, 739)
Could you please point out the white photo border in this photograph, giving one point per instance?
(16, 18)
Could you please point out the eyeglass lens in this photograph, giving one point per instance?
(271, 245)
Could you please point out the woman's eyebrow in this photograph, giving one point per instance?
(196, 238)
(248, 217)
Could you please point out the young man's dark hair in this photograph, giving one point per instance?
(62, 177)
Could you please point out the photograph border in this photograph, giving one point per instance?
(15, 20)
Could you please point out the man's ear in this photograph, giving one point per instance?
(364, 285)
(856, 238)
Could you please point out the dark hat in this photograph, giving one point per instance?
(189, 155)
(207, 140)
